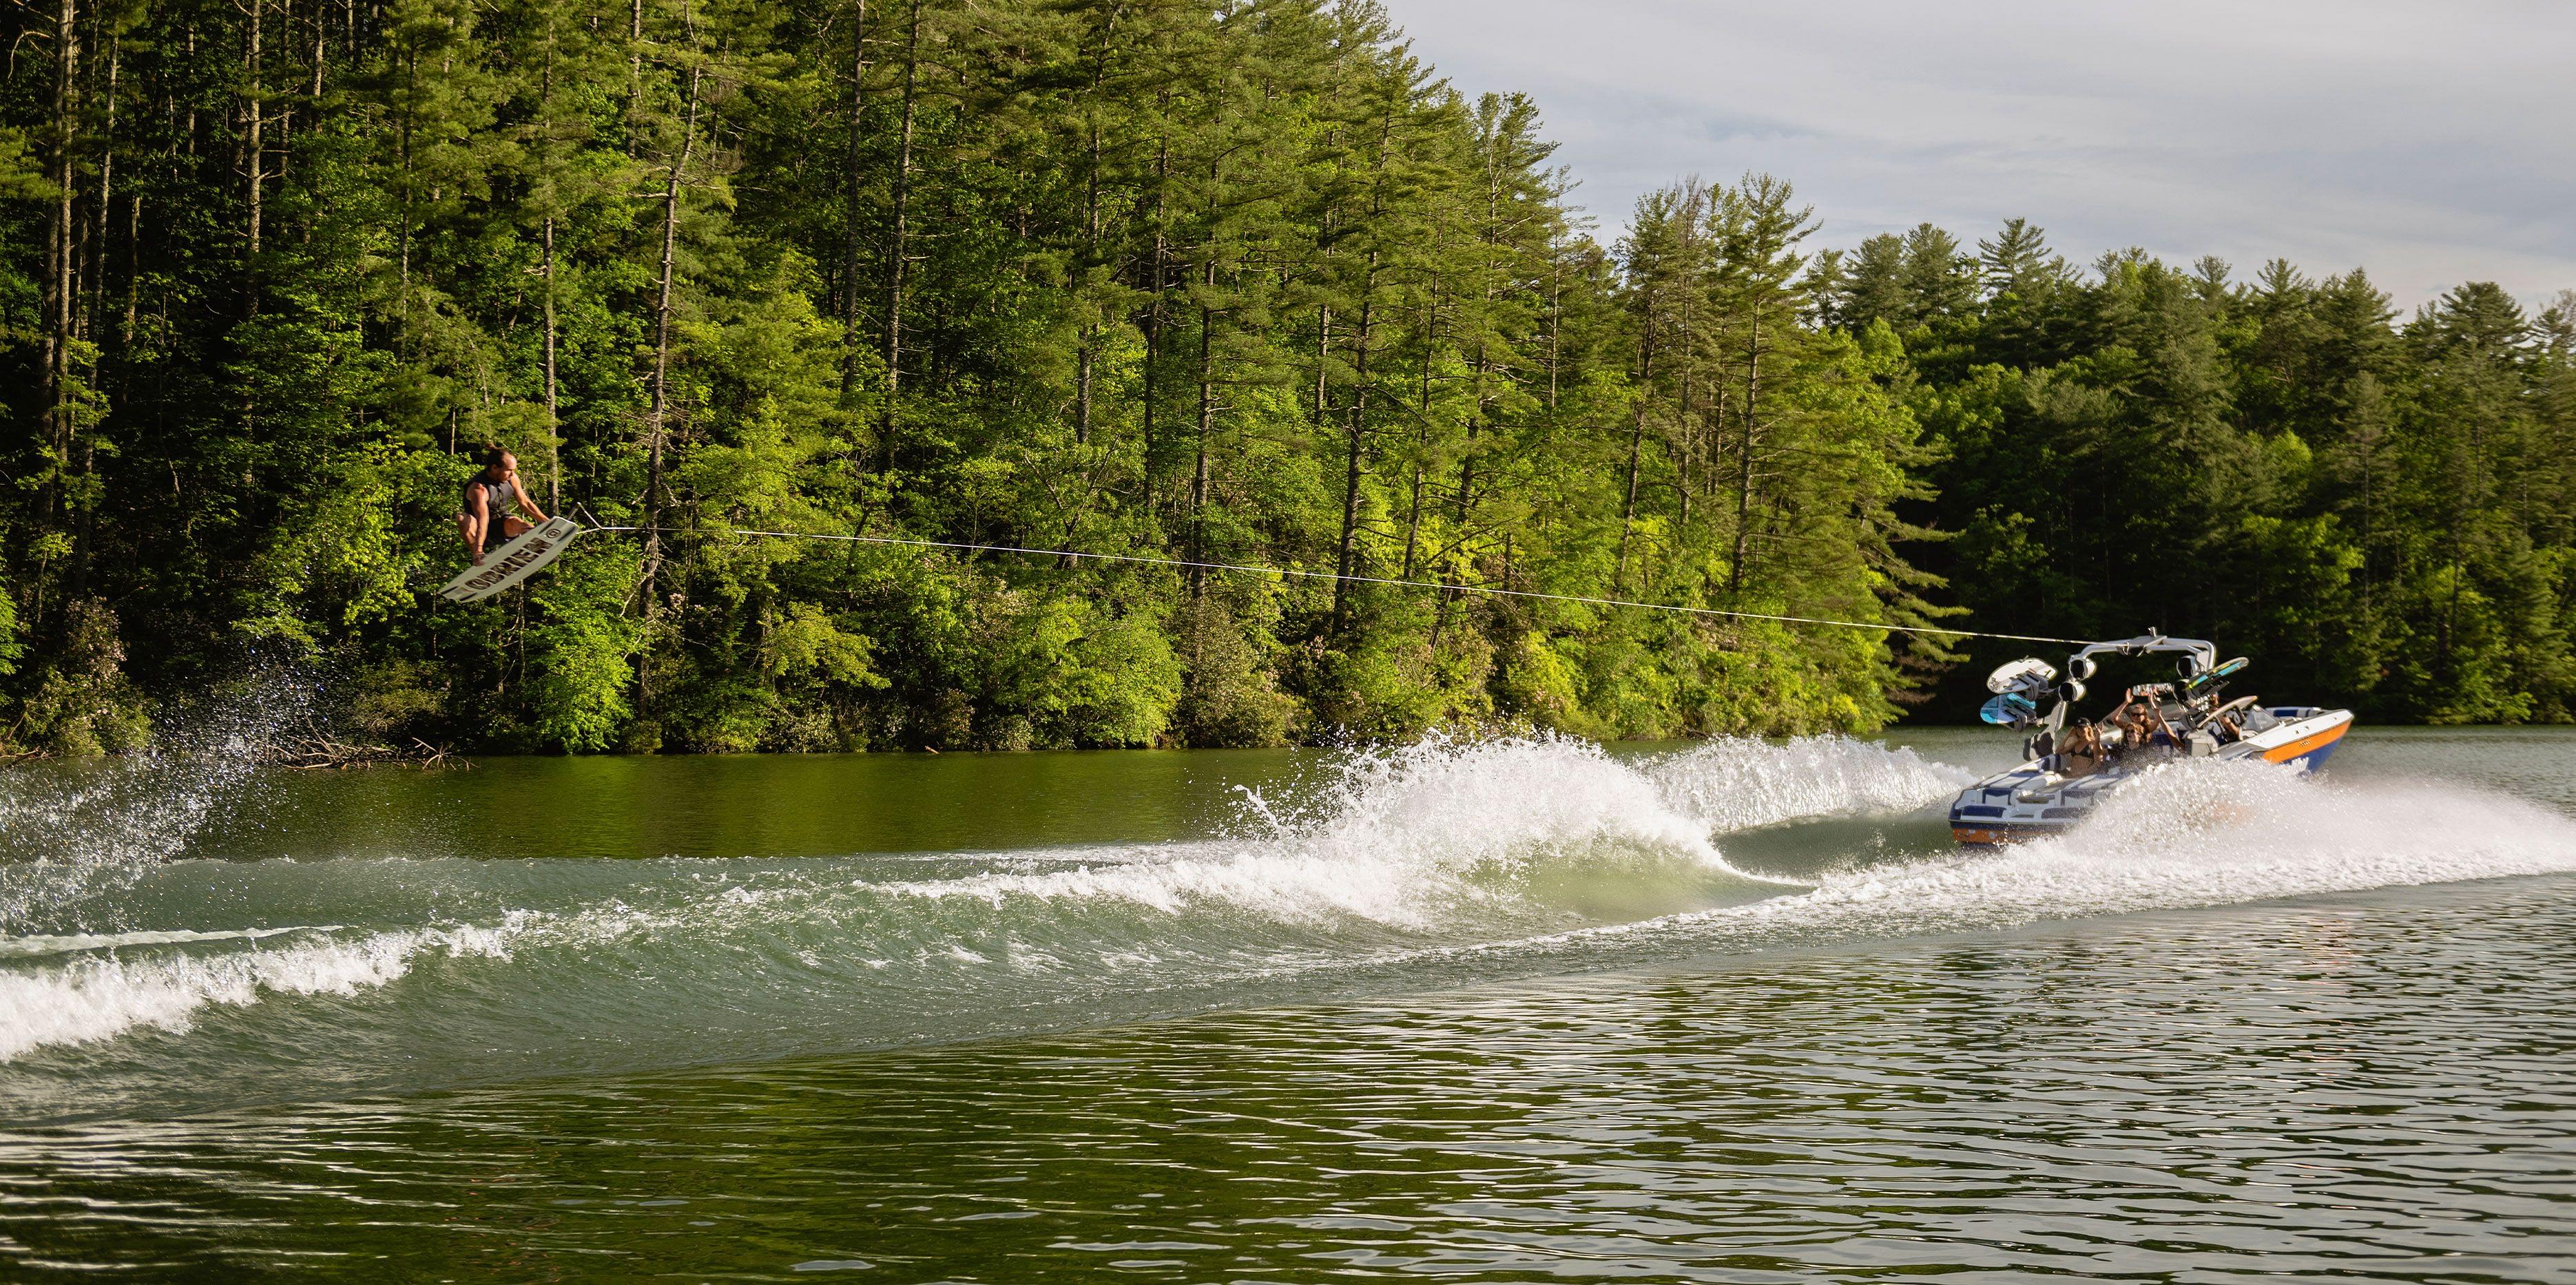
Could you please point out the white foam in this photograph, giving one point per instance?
(2201, 834)
(99, 999)
(1465, 840)
(1403, 838)
(19, 947)
(1406, 837)
(93, 999)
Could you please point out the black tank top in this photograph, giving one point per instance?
(496, 498)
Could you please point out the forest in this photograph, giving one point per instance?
(1243, 283)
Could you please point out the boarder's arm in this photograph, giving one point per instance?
(480, 509)
(526, 505)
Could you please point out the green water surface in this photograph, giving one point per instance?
(1536, 1013)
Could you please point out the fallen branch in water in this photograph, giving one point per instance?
(314, 752)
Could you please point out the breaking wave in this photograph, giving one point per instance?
(1432, 864)
(103, 997)
(1411, 838)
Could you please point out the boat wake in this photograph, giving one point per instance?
(1435, 864)
(2202, 833)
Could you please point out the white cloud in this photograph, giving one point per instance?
(2432, 143)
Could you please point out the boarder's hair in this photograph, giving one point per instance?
(493, 454)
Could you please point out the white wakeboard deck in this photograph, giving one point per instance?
(531, 551)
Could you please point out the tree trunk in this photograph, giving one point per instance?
(850, 222)
(254, 146)
(1744, 457)
(554, 411)
(1413, 521)
(1323, 358)
(659, 426)
(1082, 387)
(1207, 427)
(402, 229)
(897, 247)
(1346, 558)
(1636, 445)
(95, 276)
(61, 288)
(1087, 348)
(634, 72)
(1157, 265)
(1467, 452)
(1555, 323)
(1422, 418)
(133, 269)
(1324, 328)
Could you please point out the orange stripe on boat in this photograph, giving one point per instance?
(2305, 744)
(1963, 834)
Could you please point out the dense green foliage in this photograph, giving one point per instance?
(2382, 516)
(1241, 283)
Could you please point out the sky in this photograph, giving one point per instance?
(2430, 142)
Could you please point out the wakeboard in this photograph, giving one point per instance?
(524, 555)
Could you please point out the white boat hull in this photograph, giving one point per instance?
(2034, 800)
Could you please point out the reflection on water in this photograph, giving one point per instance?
(783, 805)
(2289, 1090)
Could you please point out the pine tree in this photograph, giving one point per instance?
(1243, 283)
(1875, 284)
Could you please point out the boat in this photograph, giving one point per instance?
(2051, 791)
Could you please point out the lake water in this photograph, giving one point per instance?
(1512, 1011)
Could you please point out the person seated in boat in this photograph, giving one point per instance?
(2139, 729)
(481, 521)
(2120, 733)
(2080, 751)
(2157, 734)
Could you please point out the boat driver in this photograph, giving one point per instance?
(481, 520)
(2225, 729)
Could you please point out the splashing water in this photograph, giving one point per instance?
(1408, 838)
(1434, 863)
(1738, 784)
(71, 839)
(2198, 833)
(1435, 843)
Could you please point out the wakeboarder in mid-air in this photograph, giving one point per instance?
(482, 523)
(526, 547)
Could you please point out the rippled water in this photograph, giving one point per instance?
(1499, 1012)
